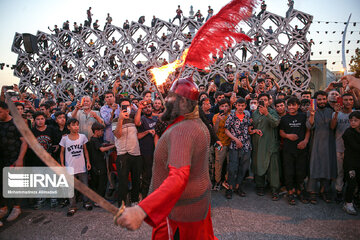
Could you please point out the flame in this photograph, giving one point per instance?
(160, 74)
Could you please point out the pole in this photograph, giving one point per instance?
(343, 46)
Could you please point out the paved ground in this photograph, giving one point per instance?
(252, 217)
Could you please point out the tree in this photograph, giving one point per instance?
(355, 63)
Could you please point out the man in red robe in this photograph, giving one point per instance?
(178, 206)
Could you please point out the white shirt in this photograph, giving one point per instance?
(85, 122)
(74, 152)
(128, 142)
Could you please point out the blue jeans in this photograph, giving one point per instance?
(239, 163)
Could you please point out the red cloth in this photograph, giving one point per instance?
(163, 199)
(159, 203)
(201, 230)
(178, 119)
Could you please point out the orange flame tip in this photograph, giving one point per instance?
(160, 74)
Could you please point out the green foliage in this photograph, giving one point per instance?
(355, 63)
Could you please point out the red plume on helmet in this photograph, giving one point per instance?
(186, 87)
(215, 36)
(219, 33)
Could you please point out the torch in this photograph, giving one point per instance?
(160, 74)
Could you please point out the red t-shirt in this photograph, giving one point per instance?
(240, 116)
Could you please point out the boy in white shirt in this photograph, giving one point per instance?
(74, 147)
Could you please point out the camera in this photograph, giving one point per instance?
(338, 85)
(9, 87)
(221, 112)
(261, 103)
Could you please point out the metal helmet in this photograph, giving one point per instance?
(186, 87)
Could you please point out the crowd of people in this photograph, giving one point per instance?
(304, 145)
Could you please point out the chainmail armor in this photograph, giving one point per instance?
(183, 144)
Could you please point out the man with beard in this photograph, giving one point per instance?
(228, 86)
(86, 116)
(265, 153)
(178, 206)
(157, 107)
(145, 125)
(323, 154)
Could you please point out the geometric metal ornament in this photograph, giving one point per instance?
(91, 60)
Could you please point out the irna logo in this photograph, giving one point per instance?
(35, 180)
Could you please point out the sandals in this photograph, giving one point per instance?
(260, 191)
(313, 199)
(71, 212)
(303, 197)
(291, 199)
(88, 206)
(240, 192)
(275, 197)
(326, 197)
(228, 193)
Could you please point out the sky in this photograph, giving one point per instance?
(24, 16)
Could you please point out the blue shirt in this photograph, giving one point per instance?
(105, 113)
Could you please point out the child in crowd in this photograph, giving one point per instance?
(296, 137)
(351, 138)
(60, 131)
(96, 150)
(73, 146)
(237, 128)
(45, 135)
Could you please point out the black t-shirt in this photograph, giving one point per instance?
(215, 109)
(210, 118)
(293, 125)
(97, 158)
(58, 135)
(226, 87)
(352, 149)
(46, 139)
(50, 122)
(242, 92)
(147, 145)
(10, 143)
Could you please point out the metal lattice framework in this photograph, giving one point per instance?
(94, 66)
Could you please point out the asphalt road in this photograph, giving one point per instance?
(252, 217)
